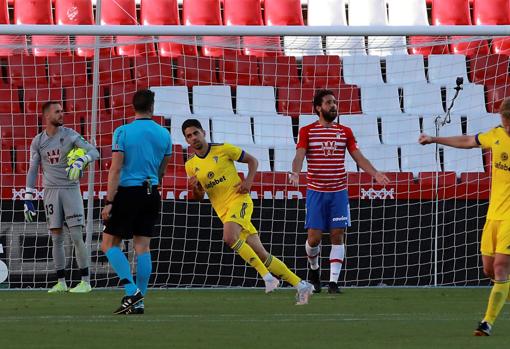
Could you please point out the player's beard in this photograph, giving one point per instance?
(57, 123)
(330, 115)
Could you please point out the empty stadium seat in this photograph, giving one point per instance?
(166, 12)
(193, 71)
(444, 69)
(398, 129)
(248, 12)
(9, 100)
(79, 100)
(423, 99)
(489, 69)
(39, 12)
(362, 70)
(152, 71)
(255, 100)
(349, 100)
(454, 128)
(481, 123)
(114, 69)
(283, 156)
(34, 98)
(260, 152)
(373, 12)
(208, 12)
(295, 100)
(491, 12)
(171, 100)
(321, 71)
(495, 95)
(176, 128)
(380, 100)
(288, 12)
(278, 71)
(6, 161)
(121, 100)
(9, 44)
(462, 160)
(27, 71)
(401, 70)
(235, 130)
(451, 12)
(471, 100)
(429, 45)
(383, 157)
(418, 158)
(364, 128)
(407, 12)
(238, 70)
(273, 130)
(67, 71)
(212, 101)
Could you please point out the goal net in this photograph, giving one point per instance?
(422, 229)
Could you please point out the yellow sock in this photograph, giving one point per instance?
(497, 299)
(281, 271)
(246, 252)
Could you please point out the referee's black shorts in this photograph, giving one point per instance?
(134, 212)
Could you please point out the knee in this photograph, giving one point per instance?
(105, 246)
(229, 239)
(500, 272)
(489, 272)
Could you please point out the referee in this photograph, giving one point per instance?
(140, 154)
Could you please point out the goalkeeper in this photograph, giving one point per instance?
(62, 197)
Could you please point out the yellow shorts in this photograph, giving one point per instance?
(495, 238)
(240, 212)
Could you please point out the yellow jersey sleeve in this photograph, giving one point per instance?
(233, 153)
(485, 139)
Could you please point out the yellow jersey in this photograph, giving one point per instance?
(498, 141)
(218, 176)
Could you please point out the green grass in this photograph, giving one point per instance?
(359, 318)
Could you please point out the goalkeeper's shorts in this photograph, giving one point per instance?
(63, 204)
(495, 237)
(134, 212)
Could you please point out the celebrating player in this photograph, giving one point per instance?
(62, 197)
(140, 154)
(327, 205)
(212, 170)
(495, 243)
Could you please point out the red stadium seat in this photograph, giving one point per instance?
(239, 70)
(152, 71)
(9, 100)
(121, 100)
(196, 71)
(278, 71)
(495, 95)
(105, 131)
(208, 12)
(489, 69)
(451, 12)
(22, 159)
(321, 71)
(106, 157)
(428, 45)
(248, 12)
(39, 12)
(349, 100)
(166, 12)
(283, 12)
(123, 12)
(9, 44)
(6, 161)
(114, 69)
(294, 100)
(27, 71)
(501, 46)
(491, 12)
(469, 48)
(79, 101)
(67, 71)
(34, 98)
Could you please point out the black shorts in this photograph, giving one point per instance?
(134, 212)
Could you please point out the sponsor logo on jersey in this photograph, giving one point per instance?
(215, 182)
(329, 148)
(53, 156)
(502, 166)
(504, 156)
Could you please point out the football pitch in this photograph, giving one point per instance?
(247, 318)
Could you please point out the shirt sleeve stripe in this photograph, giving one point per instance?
(117, 150)
(241, 157)
(477, 140)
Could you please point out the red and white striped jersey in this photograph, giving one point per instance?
(325, 154)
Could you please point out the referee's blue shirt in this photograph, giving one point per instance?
(144, 144)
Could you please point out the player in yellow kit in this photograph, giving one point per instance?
(211, 169)
(495, 245)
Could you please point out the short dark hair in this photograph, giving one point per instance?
(143, 101)
(46, 106)
(317, 98)
(504, 108)
(191, 123)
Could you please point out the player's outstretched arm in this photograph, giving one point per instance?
(297, 165)
(367, 166)
(245, 186)
(463, 142)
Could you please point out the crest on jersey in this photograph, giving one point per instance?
(329, 148)
(215, 158)
(504, 156)
(196, 169)
(53, 156)
(210, 174)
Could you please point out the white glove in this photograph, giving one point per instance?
(28, 207)
(75, 171)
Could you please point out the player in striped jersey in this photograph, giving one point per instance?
(324, 143)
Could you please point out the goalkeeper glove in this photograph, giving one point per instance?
(28, 207)
(75, 171)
